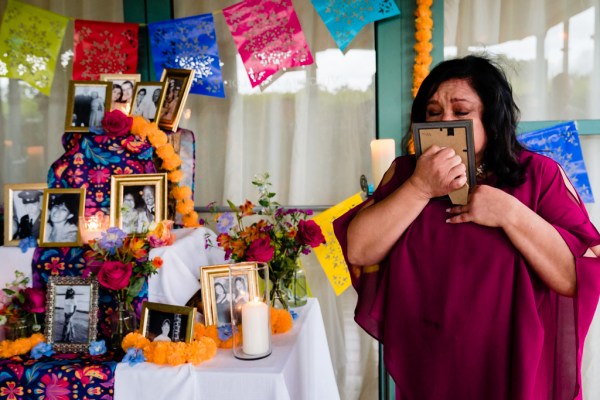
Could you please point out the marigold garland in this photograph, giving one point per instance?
(11, 348)
(171, 163)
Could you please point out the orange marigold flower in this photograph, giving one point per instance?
(199, 330)
(159, 353)
(281, 321)
(185, 206)
(165, 151)
(181, 192)
(211, 346)
(134, 339)
(157, 262)
(177, 354)
(175, 176)
(247, 208)
(213, 333)
(196, 352)
(423, 35)
(191, 220)
(138, 125)
(426, 3)
(171, 163)
(157, 138)
(21, 346)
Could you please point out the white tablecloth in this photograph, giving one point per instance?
(299, 368)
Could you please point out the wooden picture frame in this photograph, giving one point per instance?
(60, 227)
(87, 103)
(130, 195)
(22, 211)
(213, 279)
(125, 83)
(455, 134)
(71, 313)
(165, 322)
(178, 83)
(151, 101)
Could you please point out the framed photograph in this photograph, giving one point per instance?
(137, 200)
(86, 105)
(177, 86)
(62, 210)
(22, 211)
(147, 99)
(71, 313)
(167, 323)
(122, 90)
(217, 290)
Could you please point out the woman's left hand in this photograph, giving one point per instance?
(486, 206)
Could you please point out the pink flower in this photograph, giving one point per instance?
(115, 123)
(310, 233)
(53, 387)
(35, 300)
(114, 275)
(162, 235)
(260, 250)
(99, 175)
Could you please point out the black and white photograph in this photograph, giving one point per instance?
(137, 201)
(177, 86)
(71, 312)
(167, 323)
(87, 103)
(147, 100)
(122, 91)
(62, 210)
(23, 207)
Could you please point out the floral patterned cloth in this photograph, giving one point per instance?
(62, 377)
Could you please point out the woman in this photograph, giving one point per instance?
(132, 221)
(117, 94)
(222, 304)
(69, 306)
(97, 111)
(124, 103)
(62, 221)
(165, 328)
(490, 300)
(240, 296)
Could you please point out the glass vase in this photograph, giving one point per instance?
(279, 294)
(18, 328)
(297, 290)
(122, 322)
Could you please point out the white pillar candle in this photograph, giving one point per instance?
(383, 153)
(255, 327)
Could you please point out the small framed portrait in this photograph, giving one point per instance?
(122, 90)
(137, 200)
(71, 313)
(23, 211)
(62, 210)
(147, 99)
(177, 86)
(218, 290)
(167, 323)
(86, 105)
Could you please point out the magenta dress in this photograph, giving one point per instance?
(460, 313)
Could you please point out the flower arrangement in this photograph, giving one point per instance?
(19, 301)
(278, 239)
(11, 348)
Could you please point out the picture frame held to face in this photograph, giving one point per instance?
(178, 83)
(87, 103)
(147, 100)
(167, 323)
(137, 200)
(23, 211)
(122, 90)
(217, 290)
(62, 212)
(71, 313)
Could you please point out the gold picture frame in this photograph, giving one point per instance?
(150, 105)
(87, 103)
(166, 322)
(70, 209)
(178, 83)
(71, 313)
(212, 276)
(21, 218)
(126, 83)
(129, 198)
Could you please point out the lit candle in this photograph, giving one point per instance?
(255, 320)
(92, 226)
(383, 153)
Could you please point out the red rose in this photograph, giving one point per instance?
(114, 275)
(35, 300)
(310, 233)
(115, 123)
(260, 250)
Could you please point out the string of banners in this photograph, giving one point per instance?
(267, 34)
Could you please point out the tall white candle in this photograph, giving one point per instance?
(383, 153)
(255, 327)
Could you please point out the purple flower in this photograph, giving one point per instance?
(97, 347)
(224, 222)
(112, 239)
(42, 349)
(134, 356)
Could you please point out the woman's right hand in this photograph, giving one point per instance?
(439, 171)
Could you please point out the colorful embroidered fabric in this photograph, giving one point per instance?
(30, 40)
(344, 19)
(62, 377)
(104, 48)
(561, 143)
(268, 37)
(189, 43)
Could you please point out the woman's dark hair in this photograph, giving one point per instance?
(222, 287)
(70, 293)
(70, 201)
(241, 280)
(500, 114)
(166, 321)
(135, 192)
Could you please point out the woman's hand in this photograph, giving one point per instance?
(439, 171)
(487, 206)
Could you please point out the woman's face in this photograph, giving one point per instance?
(117, 93)
(165, 328)
(59, 213)
(128, 201)
(219, 290)
(454, 100)
(127, 91)
(239, 285)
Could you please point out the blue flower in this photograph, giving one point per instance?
(112, 239)
(224, 332)
(134, 356)
(224, 222)
(294, 315)
(27, 243)
(42, 349)
(98, 347)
